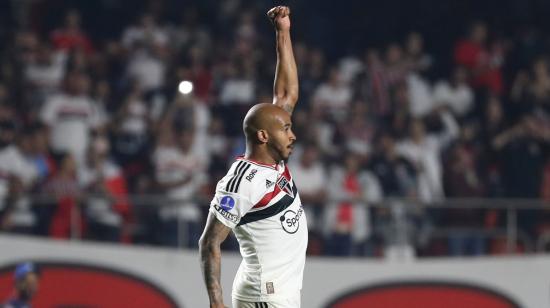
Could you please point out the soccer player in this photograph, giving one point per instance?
(259, 201)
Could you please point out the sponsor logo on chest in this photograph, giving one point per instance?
(290, 220)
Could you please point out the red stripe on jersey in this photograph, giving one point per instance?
(286, 174)
(267, 197)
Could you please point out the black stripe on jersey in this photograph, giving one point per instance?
(240, 178)
(237, 179)
(239, 165)
(273, 210)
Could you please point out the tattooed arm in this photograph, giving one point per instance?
(210, 253)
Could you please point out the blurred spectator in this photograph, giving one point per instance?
(346, 222)
(396, 174)
(318, 130)
(375, 86)
(349, 67)
(180, 173)
(8, 125)
(424, 150)
(106, 207)
(418, 59)
(19, 175)
(237, 85)
(144, 34)
(200, 74)
(146, 43)
(147, 68)
(455, 94)
(531, 91)
(26, 283)
(218, 147)
(396, 68)
(310, 175)
(419, 64)
(333, 96)
(398, 120)
(131, 134)
(493, 124)
(71, 37)
(311, 69)
(524, 158)
(360, 129)
(540, 89)
(72, 116)
(17, 170)
(187, 113)
(44, 73)
(419, 95)
(483, 61)
(190, 33)
(65, 219)
(17, 216)
(39, 153)
(464, 181)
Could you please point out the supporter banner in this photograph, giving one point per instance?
(100, 275)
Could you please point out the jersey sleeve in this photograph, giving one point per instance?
(230, 207)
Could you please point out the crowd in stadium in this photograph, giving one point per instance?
(86, 122)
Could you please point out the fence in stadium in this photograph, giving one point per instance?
(397, 211)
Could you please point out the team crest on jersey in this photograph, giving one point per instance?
(284, 185)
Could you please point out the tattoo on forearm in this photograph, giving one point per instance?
(210, 255)
(210, 260)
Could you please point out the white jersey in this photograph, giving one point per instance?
(261, 204)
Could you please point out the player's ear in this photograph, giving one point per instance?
(262, 135)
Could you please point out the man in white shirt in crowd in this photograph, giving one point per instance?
(424, 151)
(456, 93)
(72, 116)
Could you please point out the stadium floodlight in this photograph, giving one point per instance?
(185, 87)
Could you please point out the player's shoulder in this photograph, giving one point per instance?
(245, 176)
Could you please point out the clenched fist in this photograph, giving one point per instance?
(280, 17)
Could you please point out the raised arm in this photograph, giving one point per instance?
(210, 253)
(285, 88)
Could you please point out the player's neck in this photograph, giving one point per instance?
(259, 155)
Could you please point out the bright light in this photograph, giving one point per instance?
(185, 87)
